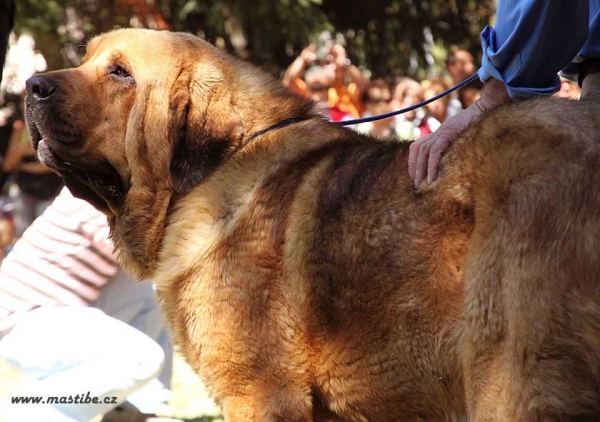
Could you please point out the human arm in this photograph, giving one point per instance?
(18, 148)
(299, 65)
(532, 41)
(64, 258)
(346, 70)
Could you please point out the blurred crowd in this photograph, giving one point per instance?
(343, 92)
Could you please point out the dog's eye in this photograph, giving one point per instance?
(120, 73)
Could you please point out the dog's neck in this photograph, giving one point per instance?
(138, 230)
(278, 107)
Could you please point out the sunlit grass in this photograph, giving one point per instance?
(190, 400)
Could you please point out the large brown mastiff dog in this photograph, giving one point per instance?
(303, 276)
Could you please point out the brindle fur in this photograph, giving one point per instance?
(304, 278)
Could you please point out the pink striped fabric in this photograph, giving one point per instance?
(63, 258)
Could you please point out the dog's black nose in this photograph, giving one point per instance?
(40, 87)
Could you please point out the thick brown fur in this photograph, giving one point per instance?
(303, 276)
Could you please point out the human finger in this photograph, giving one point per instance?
(435, 156)
(422, 160)
(413, 154)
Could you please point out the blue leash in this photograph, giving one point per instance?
(407, 109)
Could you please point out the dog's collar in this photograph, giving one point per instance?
(279, 125)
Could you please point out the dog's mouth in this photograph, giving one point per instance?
(45, 153)
(100, 185)
(48, 157)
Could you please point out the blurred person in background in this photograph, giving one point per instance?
(318, 80)
(406, 93)
(436, 112)
(7, 14)
(459, 65)
(74, 322)
(38, 185)
(347, 87)
(31, 185)
(470, 93)
(377, 100)
(7, 225)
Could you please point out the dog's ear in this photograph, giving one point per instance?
(204, 128)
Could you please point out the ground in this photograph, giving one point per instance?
(189, 400)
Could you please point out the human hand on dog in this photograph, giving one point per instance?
(425, 154)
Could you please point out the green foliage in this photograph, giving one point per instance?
(387, 37)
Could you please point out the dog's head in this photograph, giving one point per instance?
(148, 115)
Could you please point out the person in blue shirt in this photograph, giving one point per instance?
(531, 42)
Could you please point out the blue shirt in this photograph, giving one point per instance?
(534, 39)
